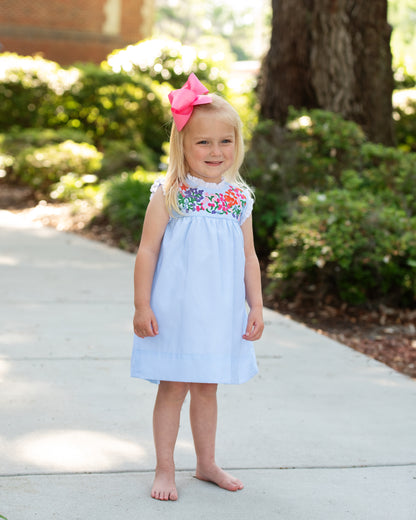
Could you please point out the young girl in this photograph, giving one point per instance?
(196, 267)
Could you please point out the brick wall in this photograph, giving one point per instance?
(67, 31)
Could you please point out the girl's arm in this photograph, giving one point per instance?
(155, 221)
(252, 279)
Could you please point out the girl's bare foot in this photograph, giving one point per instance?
(218, 476)
(164, 486)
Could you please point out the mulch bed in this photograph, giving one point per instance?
(383, 333)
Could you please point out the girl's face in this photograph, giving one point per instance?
(209, 146)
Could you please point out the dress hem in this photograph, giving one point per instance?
(198, 380)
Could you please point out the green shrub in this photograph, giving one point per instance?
(263, 170)
(18, 139)
(404, 114)
(125, 201)
(103, 105)
(6, 164)
(26, 85)
(284, 163)
(113, 106)
(42, 167)
(121, 156)
(73, 187)
(347, 242)
(248, 108)
(337, 212)
(390, 173)
(403, 79)
(170, 61)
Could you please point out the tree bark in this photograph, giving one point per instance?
(334, 55)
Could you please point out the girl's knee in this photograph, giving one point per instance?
(203, 390)
(173, 390)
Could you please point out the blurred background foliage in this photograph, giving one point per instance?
(334, 213)
(402, 17)
(240, 29)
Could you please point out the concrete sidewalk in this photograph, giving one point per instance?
(322, 432)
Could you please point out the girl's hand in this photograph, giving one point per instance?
(255, 324)
(144, 322)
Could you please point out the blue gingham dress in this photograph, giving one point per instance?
(198, 291)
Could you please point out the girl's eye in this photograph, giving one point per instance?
(202, 142)
(227, 141)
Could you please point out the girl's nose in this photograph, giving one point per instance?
(215, 150)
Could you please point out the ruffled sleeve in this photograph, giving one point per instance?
(155, 186)
(248, 208)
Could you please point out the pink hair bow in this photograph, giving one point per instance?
(183, 100)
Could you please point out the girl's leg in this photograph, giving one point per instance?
(203, 411)
(166, 418)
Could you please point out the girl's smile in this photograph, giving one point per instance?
(209, 146)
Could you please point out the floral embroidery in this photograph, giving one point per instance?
(232, 202)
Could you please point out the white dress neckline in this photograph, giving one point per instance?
(203, 184)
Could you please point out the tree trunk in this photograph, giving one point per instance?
(334, 55)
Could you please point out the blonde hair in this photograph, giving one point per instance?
(178, 169)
